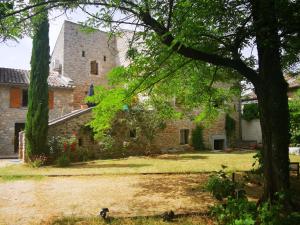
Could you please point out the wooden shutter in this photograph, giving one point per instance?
(15, 97)
(94, 67)
(51, 99)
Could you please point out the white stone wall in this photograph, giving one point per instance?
(10, 116)
(251, 131)
(122, 44)
(58, 51)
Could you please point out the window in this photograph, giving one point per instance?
(94, 67)
(24, 98)
(83, 53)
(132, 133)
(219, 144)
(184, 136)
(104, 58)
(80, 142)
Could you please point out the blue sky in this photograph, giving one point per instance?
(17, 54)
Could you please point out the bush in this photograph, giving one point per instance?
(294, 108)
(275, 213)
(55, 146)
(38, 161)
(197, 138)
(258, 163)
(235, 212)
(221, 186)
(250, 111)
(82, 154)
(63, 161)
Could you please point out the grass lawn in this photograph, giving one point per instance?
(167, 163)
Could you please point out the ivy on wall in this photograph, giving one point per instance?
(229, 128)
(197, 138)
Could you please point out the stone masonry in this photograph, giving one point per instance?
(11, 116)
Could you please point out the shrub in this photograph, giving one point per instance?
(82, 154)
(235, 212)
(250, 111)
(294, 108)
(221, 186)
(274, 214)
(55, 146)
(38, 161)
(197, 138)
(258, 163)
(63, 161)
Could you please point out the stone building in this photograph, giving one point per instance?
(78, 60)
(13, 105)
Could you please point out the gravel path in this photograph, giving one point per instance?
(7, 162)
(30, 201)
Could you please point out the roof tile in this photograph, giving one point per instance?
(21, 77)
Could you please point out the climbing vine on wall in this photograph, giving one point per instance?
(229, 127)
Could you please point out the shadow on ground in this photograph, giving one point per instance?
(114, 165)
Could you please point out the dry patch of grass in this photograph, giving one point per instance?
(186, 220)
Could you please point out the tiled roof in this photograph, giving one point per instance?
(293, 83)
(21, 77)
(70, 115)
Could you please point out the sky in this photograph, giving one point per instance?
(17, 54)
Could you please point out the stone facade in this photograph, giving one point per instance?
(72, 58)
(75, 50)
(12, 116)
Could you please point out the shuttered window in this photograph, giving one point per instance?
(51, 99)
(15, 97)
(94, 68)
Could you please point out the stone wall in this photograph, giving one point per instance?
(73, 123)
(76, 49)
(10, 116)
(169, 138)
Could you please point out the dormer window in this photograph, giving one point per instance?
(94, 67)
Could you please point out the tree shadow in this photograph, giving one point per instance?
(166, 188)
(85, 165)
(180, 156)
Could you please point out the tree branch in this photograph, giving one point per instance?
(192, 53)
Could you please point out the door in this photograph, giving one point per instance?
(18, 127)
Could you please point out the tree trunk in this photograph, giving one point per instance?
(274, 119)
(271, 90)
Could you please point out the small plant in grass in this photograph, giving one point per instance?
(63, 161)
(221, 186)
(38, 161)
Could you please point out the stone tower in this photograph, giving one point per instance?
(85, 58)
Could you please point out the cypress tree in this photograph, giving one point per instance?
(37, 116)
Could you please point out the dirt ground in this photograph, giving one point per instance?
(31, 201)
